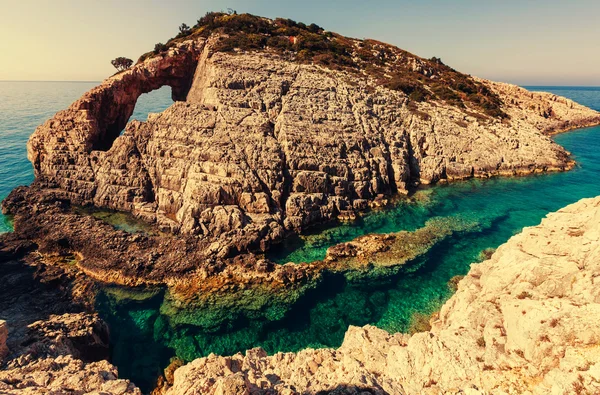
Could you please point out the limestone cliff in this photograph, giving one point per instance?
(523, 322)
(262, 142)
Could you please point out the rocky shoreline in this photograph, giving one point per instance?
(506, 329)
(524, 321)
(257, 147)
(244, 162)
(260, 145)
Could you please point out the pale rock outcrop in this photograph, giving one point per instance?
(523, 322)
(259, 145)
(64, 354)
(64, 375)
(546, 111)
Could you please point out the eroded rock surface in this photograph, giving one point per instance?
(64, 354)
(258, 145)
(525, 321)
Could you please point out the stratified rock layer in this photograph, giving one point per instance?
(523, 322)
(258, 145)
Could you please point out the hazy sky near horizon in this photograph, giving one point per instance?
(528, 42)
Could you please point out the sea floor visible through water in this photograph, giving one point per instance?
(144, 336)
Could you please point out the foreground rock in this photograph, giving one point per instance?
(47, 345)
(524, 321)
(64, 354)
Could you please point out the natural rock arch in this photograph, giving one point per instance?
(95, 120)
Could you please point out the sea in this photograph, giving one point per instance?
(145, 336)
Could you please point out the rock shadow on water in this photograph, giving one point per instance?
(144, 339)
(133, 318)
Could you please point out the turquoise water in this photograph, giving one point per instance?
(26, 105)
(144, 337)
(502, 207)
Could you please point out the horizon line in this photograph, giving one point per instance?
(526, 84)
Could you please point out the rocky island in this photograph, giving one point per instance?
(278, 127)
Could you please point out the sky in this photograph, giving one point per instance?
(527, 42)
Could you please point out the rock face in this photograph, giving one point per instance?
(64, 354)
(66, 153)
(259, 145)
(81, 335)
(525, 321)
(3, 339)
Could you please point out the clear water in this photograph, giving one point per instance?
(118, 219)
(146, 334)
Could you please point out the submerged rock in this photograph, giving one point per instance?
(524, 321)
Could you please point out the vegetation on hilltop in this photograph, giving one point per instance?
(389, 66)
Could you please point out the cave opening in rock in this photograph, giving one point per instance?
(155, 101)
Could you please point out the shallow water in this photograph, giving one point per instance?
(144, 331)
(119, 220)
